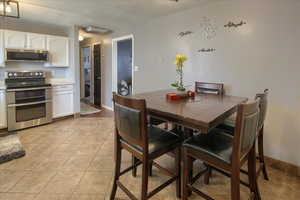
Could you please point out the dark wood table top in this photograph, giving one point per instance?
(203, 112)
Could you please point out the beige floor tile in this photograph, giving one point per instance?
(53, 197)
(64, 182)
(78, 163)
(52, 162)
(87, 197)
(33, 182)
(25, 163)
(94, 183)
(16, 196)
(9, 178)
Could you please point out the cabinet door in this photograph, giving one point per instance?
(3, 120)
(15, 39)
(36, 41)
(58, 48)
(62, 103)
(2, 58)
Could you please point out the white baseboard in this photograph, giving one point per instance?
(107, 107)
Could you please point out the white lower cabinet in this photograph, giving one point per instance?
(63, 100)
(3, 118)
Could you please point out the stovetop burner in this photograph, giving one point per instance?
(25, 79)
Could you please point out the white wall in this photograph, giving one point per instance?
(264, 53)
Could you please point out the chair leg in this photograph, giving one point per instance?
(145, 174)
(186, 174)
(207, 175)
(150, 168)
(118, 159)
(178, 171)
(261, 154)
(252, 174)
(235, 184)
(134, 160)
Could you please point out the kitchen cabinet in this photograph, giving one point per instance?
(63, 100)
(2, 57)
(3, 118)
(36, 41)
(58, 48)
(15, 39)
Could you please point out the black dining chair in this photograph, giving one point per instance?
(145, 142)
(225, 153)
(209, 88)
(229, 125)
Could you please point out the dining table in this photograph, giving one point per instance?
(202, 112)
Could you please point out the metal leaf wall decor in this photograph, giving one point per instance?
(184, 33)
(208, 28)
(206, 50)
(235, 25)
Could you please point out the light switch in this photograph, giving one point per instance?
(136, 68)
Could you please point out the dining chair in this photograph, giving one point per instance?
(145, 142)
(213, 88)
(229, 125)
(225, 153)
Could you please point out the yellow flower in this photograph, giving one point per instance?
(179, 60)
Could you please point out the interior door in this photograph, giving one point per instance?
(97, 74)
(124, 67)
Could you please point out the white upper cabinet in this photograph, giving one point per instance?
(36, 41)
(2, 59)
(58, 48)
(15, 39)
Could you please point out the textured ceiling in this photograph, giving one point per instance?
(106, 13)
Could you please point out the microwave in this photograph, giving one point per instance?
(26, 55)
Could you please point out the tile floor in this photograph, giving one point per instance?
(72, 159)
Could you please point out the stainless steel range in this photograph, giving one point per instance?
(29, 99)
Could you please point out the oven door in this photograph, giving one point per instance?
(28, 107)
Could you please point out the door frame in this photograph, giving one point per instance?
(115, 61)
(82, 78)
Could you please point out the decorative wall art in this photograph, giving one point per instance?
(208, 28)
(182, 34)
(206, 50)
(235, 25)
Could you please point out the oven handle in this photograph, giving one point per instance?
(28, 104)
(27, 89)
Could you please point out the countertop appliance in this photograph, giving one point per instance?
(22, 55)
(29, 99)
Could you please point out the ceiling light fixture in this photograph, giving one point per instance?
(9, 8)
(80, 38)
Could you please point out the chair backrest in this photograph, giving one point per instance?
(209, 88)
(263, 104)
(245, 128)
(130, 120)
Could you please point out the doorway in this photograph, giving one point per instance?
(90, 78)
(123, 62)
(86, 74)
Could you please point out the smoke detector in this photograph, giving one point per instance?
(95, 29)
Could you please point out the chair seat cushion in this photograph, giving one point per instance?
(159, 140)
(216, 144)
